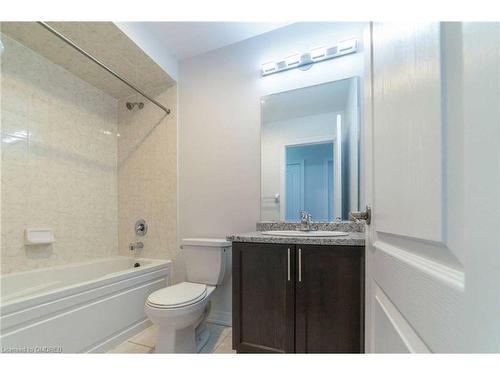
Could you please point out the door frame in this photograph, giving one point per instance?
(308, 141)
(367, 121)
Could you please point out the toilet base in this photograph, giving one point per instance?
(187, 340)
(176, 341)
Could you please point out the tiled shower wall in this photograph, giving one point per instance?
(59, 157)
(75, 160)
(147, 175)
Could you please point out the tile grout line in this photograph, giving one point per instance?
(144, 345)
(224, 336)
(223, 339)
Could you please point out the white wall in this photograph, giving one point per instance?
(219, 127)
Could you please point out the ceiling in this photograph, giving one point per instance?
(311, 100)
(101, 39)
(188, 39)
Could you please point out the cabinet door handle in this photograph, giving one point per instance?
(288, 271)
(300, 265)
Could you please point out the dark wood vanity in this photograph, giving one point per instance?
(298, 298)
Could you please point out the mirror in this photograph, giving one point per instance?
(310, 152)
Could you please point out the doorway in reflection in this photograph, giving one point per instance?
(309, 181)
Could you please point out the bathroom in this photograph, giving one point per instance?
(315, 186)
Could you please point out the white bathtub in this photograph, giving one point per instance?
(84, 307)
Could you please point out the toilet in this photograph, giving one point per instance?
(180, 310)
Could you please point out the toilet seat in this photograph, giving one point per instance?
(177, 296)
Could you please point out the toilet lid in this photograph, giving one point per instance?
(178, 295)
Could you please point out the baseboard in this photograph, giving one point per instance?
(120, 337)
(223, 318)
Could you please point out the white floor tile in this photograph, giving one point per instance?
(220, 341)
(226, 346)
(148, 337)
(217, 335)
(131, 348)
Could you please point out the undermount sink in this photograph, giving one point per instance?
(299, 233)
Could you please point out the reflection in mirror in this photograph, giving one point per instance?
(310, 152)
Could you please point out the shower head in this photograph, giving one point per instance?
(130, 106)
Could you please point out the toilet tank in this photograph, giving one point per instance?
(205, 259)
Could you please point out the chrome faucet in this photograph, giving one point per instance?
(135, 245)
(305, 221)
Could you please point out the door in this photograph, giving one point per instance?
(433, 181)
(307, 180)
(263, 298)
(329, 295)
(294, 186)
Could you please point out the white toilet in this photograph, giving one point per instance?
(180, 310)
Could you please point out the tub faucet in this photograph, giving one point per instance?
(305, 221)
(135, 245)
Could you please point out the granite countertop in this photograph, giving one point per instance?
(353, 239)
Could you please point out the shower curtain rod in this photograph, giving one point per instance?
(88, 55)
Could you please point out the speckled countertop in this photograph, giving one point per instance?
(356, 235)
(353, 239)
(343, 226)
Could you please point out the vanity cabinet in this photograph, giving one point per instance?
(297, 298)
(263, 298)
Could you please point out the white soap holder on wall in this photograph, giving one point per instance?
(38, 236)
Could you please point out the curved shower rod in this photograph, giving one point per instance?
(88, 55)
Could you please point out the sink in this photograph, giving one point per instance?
(299, 233)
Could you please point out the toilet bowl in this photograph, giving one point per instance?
(180, 310)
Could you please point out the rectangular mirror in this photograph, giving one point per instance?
(310, 152)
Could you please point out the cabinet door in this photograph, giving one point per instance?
(329, 299)
(263, 298)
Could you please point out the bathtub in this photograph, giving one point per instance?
(83, 307)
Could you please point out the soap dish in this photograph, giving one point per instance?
(38, 236)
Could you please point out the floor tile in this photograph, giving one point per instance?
(226, 346)
(131, 348)
(217, 334)
(220, 341)
(148, 337)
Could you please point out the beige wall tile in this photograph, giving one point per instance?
(76, 160)
(59, 157)
(147, 175)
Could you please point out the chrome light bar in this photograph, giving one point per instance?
(314, 56)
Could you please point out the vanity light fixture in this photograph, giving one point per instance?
(293, 61)
(268, 68)
(308, 58)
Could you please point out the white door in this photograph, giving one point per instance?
(433, 181)
(294, 190)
